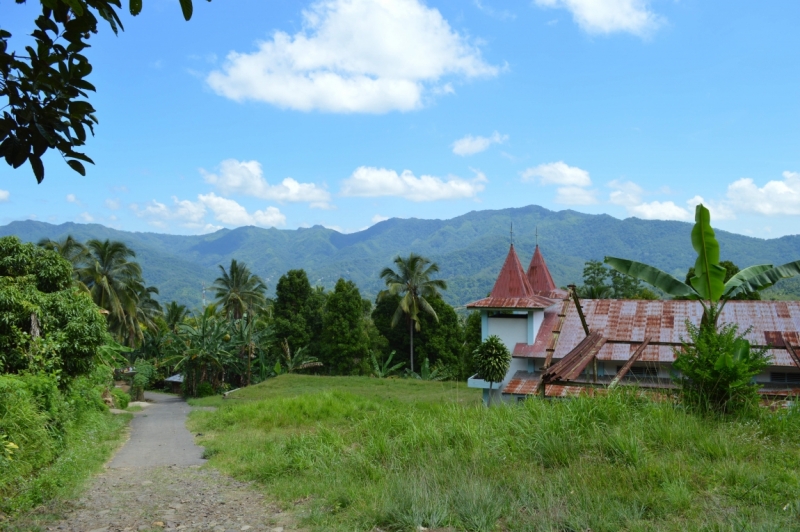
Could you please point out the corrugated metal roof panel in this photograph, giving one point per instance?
(512, 302)
(512, 282)
(665, 321)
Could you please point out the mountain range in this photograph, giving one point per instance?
(469, 249)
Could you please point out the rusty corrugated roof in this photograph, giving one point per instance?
(538, 274)
(512, 289)
(622, 321)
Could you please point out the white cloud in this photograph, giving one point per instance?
(470, 145)
(4, 195)
(625, 193)
(378, 218)
(247, 178)
(503, 14)
(609, 16)
(557, 173)
(192, 214)
(230, 212)
(71, 198)
(657, 210)
(575, 196)
(717, 210)
(774, 198)
(112, 204)
(86, 217)
(369, 56)
(369, 181)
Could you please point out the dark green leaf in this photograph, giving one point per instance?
(186, 7)
(136, 7)
(77, 166)
(38, 168)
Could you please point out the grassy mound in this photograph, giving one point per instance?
(400, 454)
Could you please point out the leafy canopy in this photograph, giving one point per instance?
(43, 91)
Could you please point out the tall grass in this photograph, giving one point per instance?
(618, 462)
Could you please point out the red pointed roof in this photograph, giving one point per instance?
(512, 288)
(538, 274)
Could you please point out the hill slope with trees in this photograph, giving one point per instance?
(469, 249)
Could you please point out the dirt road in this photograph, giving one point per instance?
(155, 482)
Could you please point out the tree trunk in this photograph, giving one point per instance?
(412, 346)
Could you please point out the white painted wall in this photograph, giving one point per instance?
(510, 330)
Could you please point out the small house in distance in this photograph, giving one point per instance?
(561, 344)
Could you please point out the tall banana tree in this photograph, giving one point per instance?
(412, 281)
(708, 284)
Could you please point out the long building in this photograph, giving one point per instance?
(561, 344)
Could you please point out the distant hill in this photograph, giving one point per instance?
(469, 249)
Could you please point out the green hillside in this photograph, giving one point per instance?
(470, 249)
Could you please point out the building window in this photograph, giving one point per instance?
(641, 372)
(784, 377)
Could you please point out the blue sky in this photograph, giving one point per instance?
(346, 112)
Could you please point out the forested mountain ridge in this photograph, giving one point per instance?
(469, 249)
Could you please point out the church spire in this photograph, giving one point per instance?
(538, 275)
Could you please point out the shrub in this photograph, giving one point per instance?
(493, 360)
(717, 367)
(204, 389)
(121, 399)
(145, 373)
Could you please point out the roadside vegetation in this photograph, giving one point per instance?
(353, 453)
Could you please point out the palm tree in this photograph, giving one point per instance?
(238, 290)
(412, 281)
(174, 314)
(115, 283)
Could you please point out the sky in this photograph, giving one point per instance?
(344, 113)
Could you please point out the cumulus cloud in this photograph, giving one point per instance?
(470, 145)
(71, 198)
(658, 210)
(192, 214)
(369, 181)
(4, 195)
(229, 212)
(609, 16)
(575, 196)
(625, 193)
(719, 210)
(86, 217)
(247, 178)
(774, 198)
(354, 56)
(379, 218)
(558, 173)
(112, 204)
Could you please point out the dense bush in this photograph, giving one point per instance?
(717, 367)
(121, 399)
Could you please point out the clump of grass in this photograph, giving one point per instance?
(608, 463)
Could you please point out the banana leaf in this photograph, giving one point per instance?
(768, 278)
(742, 277)
(653, 276)
(709, 278)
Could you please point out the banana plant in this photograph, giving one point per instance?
(707, 286)
(384, 368)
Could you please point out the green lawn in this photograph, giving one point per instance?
(358, 453)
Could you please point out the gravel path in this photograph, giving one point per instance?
(155, 483)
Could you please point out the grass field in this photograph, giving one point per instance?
(359, 453)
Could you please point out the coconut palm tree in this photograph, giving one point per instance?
(238, 290)
(412, 281)
(174, 314)
(115, 283)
